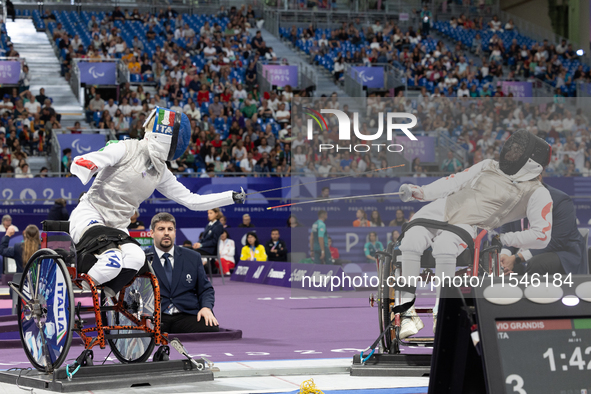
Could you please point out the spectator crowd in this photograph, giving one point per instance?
(205, 67)
(27, 123)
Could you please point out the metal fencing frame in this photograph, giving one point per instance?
(583, 93)
(56, 155)
(75, 82)
(187, 6)
(275, 17)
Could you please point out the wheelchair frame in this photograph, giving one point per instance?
(36, 307)
(389, 297)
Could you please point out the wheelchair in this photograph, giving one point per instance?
(479, 258)
(48, 313)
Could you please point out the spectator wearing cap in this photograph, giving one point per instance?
(136, 106)
(246, 221)
(6, 105)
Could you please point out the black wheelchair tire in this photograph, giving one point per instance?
(384, 316)
(113, 342)
(68, 332)
(144, 357)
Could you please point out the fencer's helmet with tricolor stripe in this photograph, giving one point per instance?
(173, 128)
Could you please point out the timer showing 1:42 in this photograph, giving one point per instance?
(530, 366)
(575, 360)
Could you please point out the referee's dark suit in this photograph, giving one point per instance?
(189, 291)
(566, 251)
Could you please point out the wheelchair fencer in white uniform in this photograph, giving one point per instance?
(486, 195)
(127, 173)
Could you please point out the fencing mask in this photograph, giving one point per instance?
(169, 133)
(524, 156)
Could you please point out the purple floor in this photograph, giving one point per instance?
(275, 327)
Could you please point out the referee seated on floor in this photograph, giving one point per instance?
(187, 294)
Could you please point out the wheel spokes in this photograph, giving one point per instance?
(37, 279)
(18, 292)
(45, 349)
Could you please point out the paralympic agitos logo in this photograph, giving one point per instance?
(345, 130)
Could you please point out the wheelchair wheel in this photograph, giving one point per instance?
(47, 314)
(386, 298)
(139, 299)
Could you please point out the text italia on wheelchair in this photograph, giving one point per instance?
(478, 259)
(49, 314)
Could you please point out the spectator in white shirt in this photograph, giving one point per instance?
(188, 32)
(111, 107)
(193, 112)
(273, 101)
(463, 91)
(282, 116)
(125, 107)
(561, 48)
(176, 106)
(209, 52)
(6, 105)
(33, 106)
(7, 222)
(264, 147)
(495, 24)
(271, 55)
(240, 94)
(239, 151)
(136, 107)
(76, 42)
(568, 123)
(247, 164)
(298, 141)
(324, 168)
